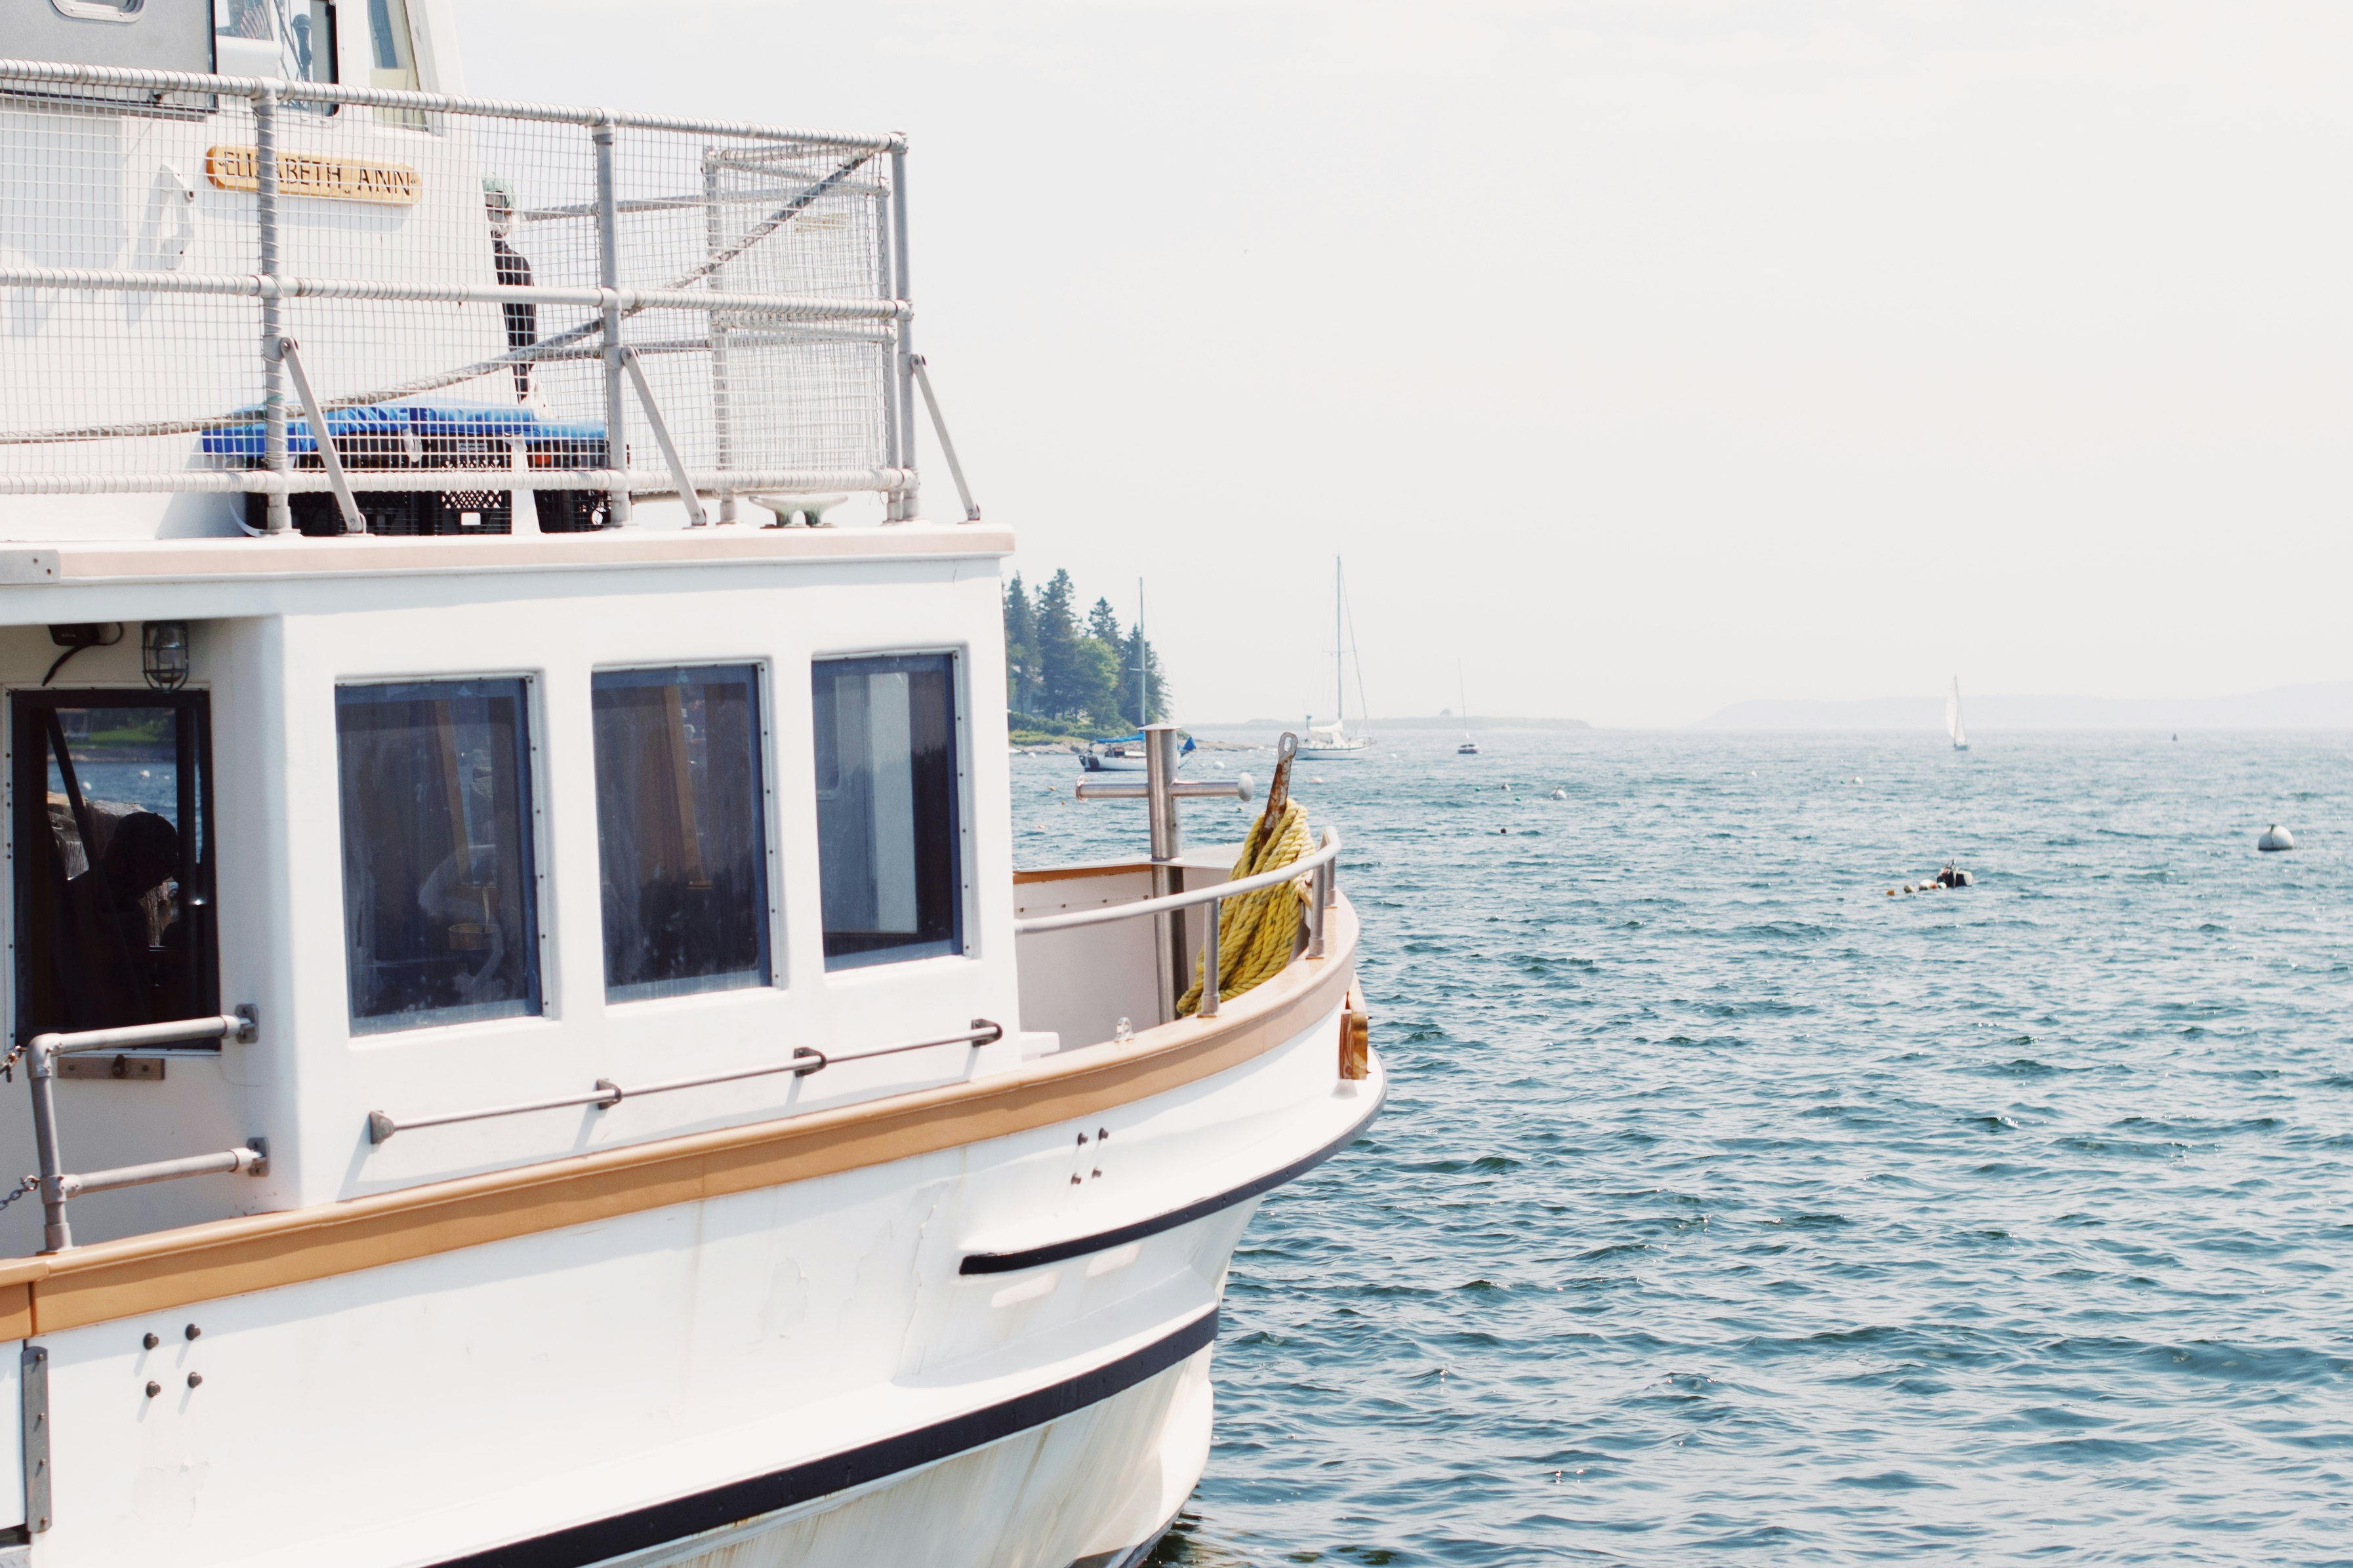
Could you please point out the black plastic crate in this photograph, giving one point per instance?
(316, 514)
(396, 513)
(571, 511)
(467, 512)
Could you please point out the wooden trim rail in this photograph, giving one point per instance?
(115, 1279)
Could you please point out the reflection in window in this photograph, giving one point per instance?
(439, 913)
(113, 862)
(679, 830)
(888, 861)
(392, 57)
(293, 40)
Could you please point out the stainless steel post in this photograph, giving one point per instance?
(1315, 912)
(904, 505)
(1167, 843)
(280, 515)
(713, 234)
(41, 1067)
(608, 276)
(1210, 978)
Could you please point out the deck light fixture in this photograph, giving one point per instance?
(163, 654)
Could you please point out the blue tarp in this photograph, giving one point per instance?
(393, 421)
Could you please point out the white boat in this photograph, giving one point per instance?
(1332, 742)
(1953, 728)
(535, 1044)
(1124, 754)
(1469, 748)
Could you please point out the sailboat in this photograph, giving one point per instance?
(1124, 754)
(1953, 717)
(1469, 748)
(1332, 742)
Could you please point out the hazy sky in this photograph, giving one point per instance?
(1644, 357)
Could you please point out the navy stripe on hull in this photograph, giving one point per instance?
(674, 1522)
(1079, 1246)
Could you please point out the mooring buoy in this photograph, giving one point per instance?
(2275, 838)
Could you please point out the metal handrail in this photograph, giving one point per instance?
(608, 304)
(1166, 902)
(55, 1183)
(65, 74)
(607, 1094)
(285, 286)
(1323, 865)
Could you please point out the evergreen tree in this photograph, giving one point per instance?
(1098, 667)
(1135, 651)
(1063, 684)
(1020, 648)
(1103, 623)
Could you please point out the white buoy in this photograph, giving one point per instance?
(1560, 795)
(2276, 838)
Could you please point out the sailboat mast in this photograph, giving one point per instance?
(1339, 671)
(1142, 664)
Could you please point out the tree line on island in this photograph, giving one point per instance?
(1069, 675)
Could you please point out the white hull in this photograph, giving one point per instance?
(582, 1388)
(1332, 754)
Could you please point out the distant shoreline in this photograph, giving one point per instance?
(1374, 726)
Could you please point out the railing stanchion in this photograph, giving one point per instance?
(608, 277)
(40, 1069)
(1160, 805)
(1210, 977)
(902, 505)
(715, 334)
(280, 516)
(1316, 912)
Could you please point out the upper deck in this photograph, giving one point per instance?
(510, 318)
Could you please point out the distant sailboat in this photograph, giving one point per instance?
(1469, 748)
(1332, 742)
(1953, 717)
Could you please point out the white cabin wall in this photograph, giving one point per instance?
(203, 1103)
(433, 25)
(556, 630)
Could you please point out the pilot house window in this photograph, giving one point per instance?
(439, 908)
(679, 830)
(888, 859)
(113, 859)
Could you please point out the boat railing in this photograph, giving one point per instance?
(607, 1094)
(1322, 864)
(56, 1185)
(270, 281)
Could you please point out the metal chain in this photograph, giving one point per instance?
(29, 1184)
(8, 1074)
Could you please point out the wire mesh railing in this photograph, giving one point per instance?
(468, 280)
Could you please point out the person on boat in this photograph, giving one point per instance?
(127, 915)
(522, 319)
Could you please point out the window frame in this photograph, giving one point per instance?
(531, 797)
(195, 740)
(959, 943)
(771, 826)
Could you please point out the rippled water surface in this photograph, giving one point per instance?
(1729, 1209)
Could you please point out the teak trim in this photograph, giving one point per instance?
(173, 1268)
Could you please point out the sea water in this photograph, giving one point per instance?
(1729, 1209)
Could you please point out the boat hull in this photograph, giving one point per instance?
(995, 1351)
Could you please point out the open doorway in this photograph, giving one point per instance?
(112, 833)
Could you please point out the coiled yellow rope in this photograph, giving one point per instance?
(1257, 931)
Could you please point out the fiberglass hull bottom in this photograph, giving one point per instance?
(1116, 1470)
(979, 1355)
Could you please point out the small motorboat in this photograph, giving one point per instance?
(1123, 754)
